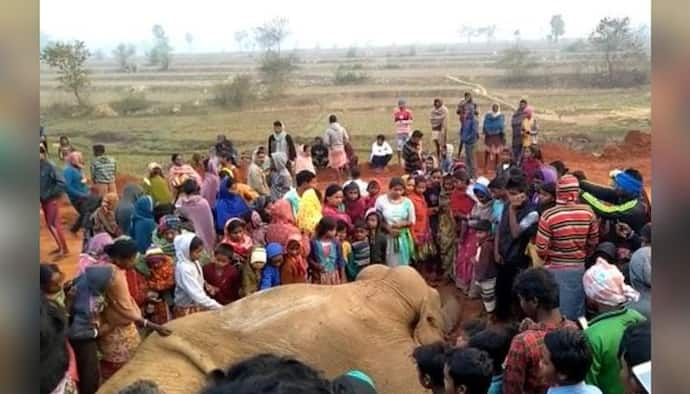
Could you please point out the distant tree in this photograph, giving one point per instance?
(517, 61)
(160, 54)
(618, 43)
(557, 27)
(69, 59)
(189, 38)
(271, 34)
(122, 53)
(99, 54)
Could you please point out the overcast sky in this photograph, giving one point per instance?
(104, 23)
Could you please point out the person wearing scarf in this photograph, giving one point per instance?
(143, 224)
(78, 190)
(282, 225)
(156, 186)
(421, 230)
(103, 219)
(303, 162)
(608, 296)
(195, 209)
(228, 205)
(398, 217)
(210, 183)
(241, 245)
(294, 268)
(309, 211)
(179, 171)
(467, 248)
(281, 180)
(567, 234)
(494, 135)
(281, 141)
(190, 296)
(163, 236)
(94, 253)
(640, 269)
(256, 177)
(333, 205)
(356, 207)
(125, 207)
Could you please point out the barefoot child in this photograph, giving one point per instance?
(294, 268)
(326, 259)
(251, 273)
(222, 275)
(270, 275)
(190, 296)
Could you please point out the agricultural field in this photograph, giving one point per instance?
(175, 111)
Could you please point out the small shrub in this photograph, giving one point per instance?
(235, 92)
(135, 100)
(349, 75)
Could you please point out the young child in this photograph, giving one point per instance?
(468, 371)
(341, 231)
(304, 161)
(355, 204)
(251, 273)
(373, 192)
(376, 237)
(294, 268)
(430, 362)
(222, 275)
(51, 283)
(566, 359)
(236, 237)
(190, 296)
(381, 153)
(326, 258)
(319, 153)
(495, 341)
(412, 154)
(429, 164)
(64, 148)
(270, 275)
(361, 251)
(103, 171)
(484, 264)
(156, 186)
(446, 161)
(160, 284)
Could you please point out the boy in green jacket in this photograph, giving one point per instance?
(607, 294)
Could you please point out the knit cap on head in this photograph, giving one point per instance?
(273, 249)
(628, 183)
(258, 255)
(568, 189)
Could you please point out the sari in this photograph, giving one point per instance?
(421, 231)
(447, 234)
(309, 212)
(196, 209)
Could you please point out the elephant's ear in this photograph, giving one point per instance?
(429, 327)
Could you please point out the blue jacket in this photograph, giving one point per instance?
(493, 125)
(469, 131)
(143, 224)
(75, 188)
(270, 277)
(89, 286)
(228, 205)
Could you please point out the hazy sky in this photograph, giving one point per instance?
(326, 22)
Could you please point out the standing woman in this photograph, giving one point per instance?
(119, 337)
(210, 183)
(421, 230)
(335, 139)
(52, 187)
(516, 124)
(281, 180)
(398, 217)
(196, 209)
(125, 207)
(494, 136)
(333, 205)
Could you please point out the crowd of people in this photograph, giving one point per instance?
(562, 266)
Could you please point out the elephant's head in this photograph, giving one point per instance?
(412, 291)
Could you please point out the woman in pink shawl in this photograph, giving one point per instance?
(211, 183)
(282, 225)
(94, 253)
(179, 171)
(333, 206)
(196, 209)
(303, 161)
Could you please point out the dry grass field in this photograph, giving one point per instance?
(582, 117)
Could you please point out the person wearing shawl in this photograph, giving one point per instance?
(283, 226)
(85, 309)
(210, 183)
(256, 177)
(190, 296)
(78, 191)
(494, 135)
(195, 209)
(160, 285)
(103, 219)
(640, 269)
(531, 162)
(567, 234)
(333, 205)
(608, 296)
(294, 268)
(270, 274)
(467, 250)
(65, 148)
(125, 207)
(335, 138)
(529, 128)
(421, 230)
(163, 236)
(516, 125)
(228, 205)
(236, 236)
(143, 224)
(309, 211)
(439, 125)
(280, 180)
(447, 228)
(281, 141)
(256, 228)
(94, 253)
(544, 193)
(355, 204)
(304, 161)
(179, 172)
(398, 218)
(156, 186)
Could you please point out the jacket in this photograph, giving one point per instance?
(74, 183)
(52, 185)
(270, 277)
(89, 289)
(228, 205)
(610, 204)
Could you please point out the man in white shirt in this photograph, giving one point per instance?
(381, 153)
(354, 177)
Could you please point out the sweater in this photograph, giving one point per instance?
(75, 184)
(604, 336)
(103, 169)
(270, 277)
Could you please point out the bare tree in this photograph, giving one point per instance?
(122, 53)
(618, 43)
(557, 27)
(69, 59)
(271, 34)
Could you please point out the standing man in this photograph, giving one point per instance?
(516, 124)
(281, 141)
(402, 117)
(439, 125)
(103, 171)
(469, 134)
(466, 106)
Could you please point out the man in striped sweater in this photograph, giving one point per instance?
(567, 234)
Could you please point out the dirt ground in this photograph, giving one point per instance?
(634, 151)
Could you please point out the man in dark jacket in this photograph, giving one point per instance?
(52, 187)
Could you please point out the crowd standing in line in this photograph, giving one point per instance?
(562, 266)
